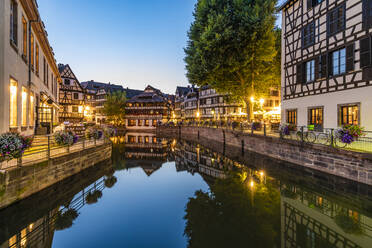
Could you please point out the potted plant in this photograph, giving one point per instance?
(64, 138)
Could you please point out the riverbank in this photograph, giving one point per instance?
(17, 183)
(352, 165)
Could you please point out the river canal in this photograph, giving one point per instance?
(162, 193)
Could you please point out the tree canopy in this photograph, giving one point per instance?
(114, 107)
(233, 47)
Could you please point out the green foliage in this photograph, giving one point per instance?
(354, 130)
(234, 48)
(233, 214)
(66, 219)
(114, 107)
(348, 224)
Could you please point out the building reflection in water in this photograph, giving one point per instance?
(33, 222)
(267, 207)
(309, 217)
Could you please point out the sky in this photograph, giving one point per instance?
(128, 42)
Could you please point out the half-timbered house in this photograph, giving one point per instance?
(71, 96)
(326, 62)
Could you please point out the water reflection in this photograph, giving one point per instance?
(249, 203)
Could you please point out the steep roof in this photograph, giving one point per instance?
(182, 91)
(150, 94)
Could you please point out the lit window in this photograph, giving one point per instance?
(316, 116)
(24, 107)
(24, 26)
(13, 104)
(349, 114)
(80, 109)
(32, 108)
(13, 241)
(32, 51)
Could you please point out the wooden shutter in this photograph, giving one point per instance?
(300, 73)
(316, 69)
(365, 52)
(323, 64)
(350, 58)
(329, 65)
(309, 4)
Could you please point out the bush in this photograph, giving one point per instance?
(63, 138)
(93, 133)
(13, 145)
(109, 132)
(92, 197)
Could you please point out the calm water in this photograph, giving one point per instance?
(169, 193)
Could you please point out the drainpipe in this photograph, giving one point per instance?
(29, 70)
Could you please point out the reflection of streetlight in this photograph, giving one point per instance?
(262, 101)
(197, 114)
(251, 184)
(252, 99)
(262, 173)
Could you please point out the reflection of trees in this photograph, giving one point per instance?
(233, 214)
(92, 197)
(348, 224)
(118, 161)
(65, 219)
(110, 181)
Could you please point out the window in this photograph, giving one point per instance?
(140, 122)
(67, 81)
(37, 59)
(24, 32)
(365, 52)
(292, 116)
(316, 116)
(13, 22)
(308, 35)
(140, 139)
(336, 20)
(132, 123)
(47, 76)
(76, 96)
(44, 70)
(24, 107)
(32, 51)
(147, 123)
(154, 140)
(32, 108)
(131, 139)
(310, 71)
(349, 114)
(13, 103)
(75, 109)
(313, 3)
(339, 62)
(147, 139)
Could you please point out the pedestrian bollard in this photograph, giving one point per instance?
(264, 129)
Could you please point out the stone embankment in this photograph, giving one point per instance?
(20, 182)
(347, 164)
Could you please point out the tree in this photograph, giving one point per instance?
(232, 47)
(114, 107)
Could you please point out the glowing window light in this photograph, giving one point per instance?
(13, 104)
(24, 106)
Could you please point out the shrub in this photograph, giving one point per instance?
(92, 197)
(109, 132)
(64, 138)
(93, 133)
(13, 145)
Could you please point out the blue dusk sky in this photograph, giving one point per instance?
(129, 42)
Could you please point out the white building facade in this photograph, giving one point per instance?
(28, 70)
(326, 63)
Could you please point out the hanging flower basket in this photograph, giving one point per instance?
(64, 138)
(13, 145)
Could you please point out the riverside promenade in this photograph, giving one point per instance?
(353, 165)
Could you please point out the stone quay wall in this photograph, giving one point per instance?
(21, 182)
(347, 164)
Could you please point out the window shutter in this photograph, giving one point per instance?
(316, 69)
(350, 58)
(365, 52)
(299, 73)
(309, 4)
(323, 64)
(329, 65)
